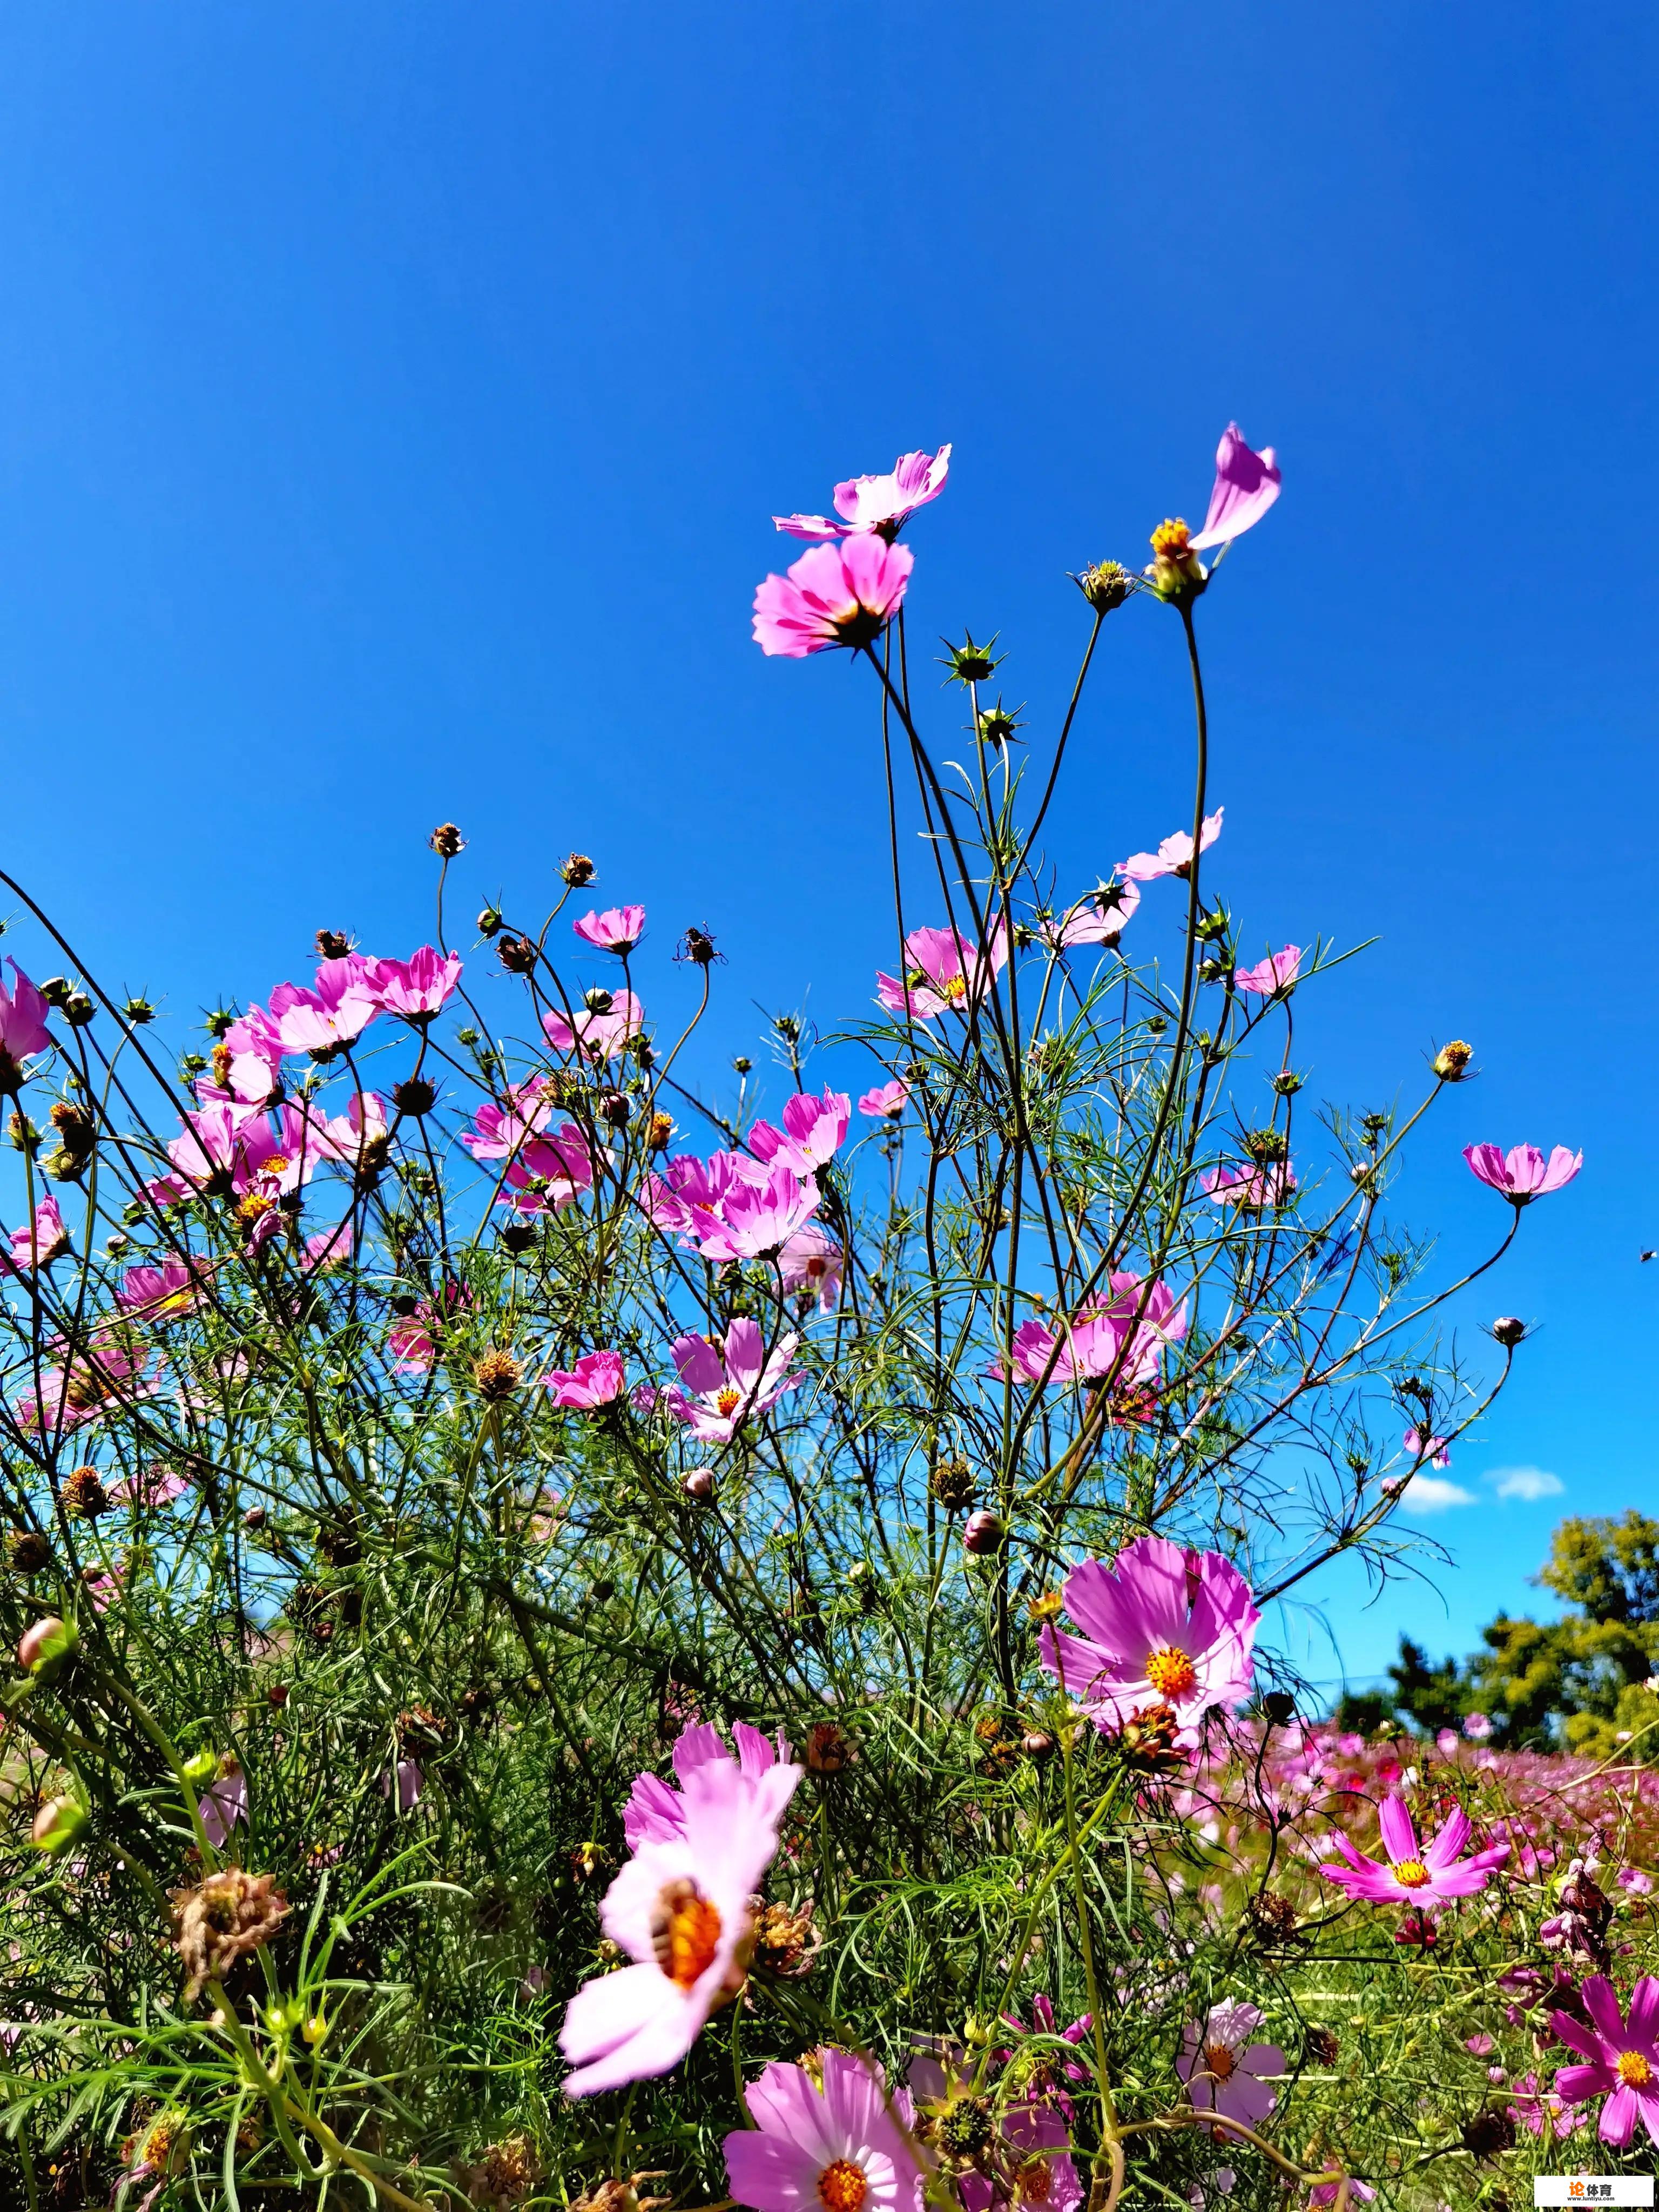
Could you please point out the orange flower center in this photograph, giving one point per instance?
(1172, 1673)
(1034, 2183)
(1220, 2061)
(1410, 1873)
(275, 1165)
(954, 986)
(1170, 539)
(685, 1933)
(1633, 2070)
(725, 1402)
(250, 1208)
(843, 2187)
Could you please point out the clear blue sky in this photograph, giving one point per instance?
(392, 398)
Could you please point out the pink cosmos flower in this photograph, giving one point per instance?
(682, 1909)
(1174, 856)
(1225, 2071)
(357, 1139)
(149, 1489)
(1476, 1727)
(812, 1260)
(410, 1341)
(617, 929)
(549, 1173)
(1093, 1343)
(1418, 1876)
(880, 503)
(108, 1376)
(1161, 1626)
(418, 988)
(1246, 486)
(1432, 1449)
(224, 1145)
(843, 2148)
(1045, 2173)
(224, 1806)
(254, 1042)
(833, 595)
(1098, 918)
(886, 1101)
(341, 1007)
(1255, 1189)
(329, 1247)
(499, 1131)
(163, 1293)
(23, 1028)
(1622, 2056)
(755, 1222)
(1535, 2109)
(43, 1240)
(1522, 1174)
(724, 1385)
(1271, 978)
(601, 1032)
(595, 1380)
(944, 974)
(813, 1127)
(687, 1181)
(655, 1811)
(409, 1782)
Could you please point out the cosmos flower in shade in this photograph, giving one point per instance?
(1246, 486)
(1271, 977)
(722, 1386)
(617, 929)
(225, 1805)
(1255, 1189)
(1432, 1449)
(163, 1293)
(880, 503)
(1098, 918)
(253, 1057)
(23, 1028)
(1036, 2162)
(1534, 2110)
(358, 1138)
(110, 1375)
(1225, 2071)
(410, 1341)
(656, 1811)
(814, 1126)
(754, 1222)
(886, 1101)
(833, 595)
(1522, 1174)
(843, 2148)
(550, 1172)
(1622, 2055)
(416, 988)
(595, 1380)
(499, 1131)
(149, 1489)
(1161, 1626)
(683, 1910)
(600, 1031)
(1174, 856)
(41, 1241)
(408, 1781)
(341, 1007)
(811, 1261)
(1093, 1344)
(944, 974)
(1421, 1875)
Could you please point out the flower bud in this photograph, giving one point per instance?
(1452, 1060)
(138, 1010)
(1036, 1743)
(742, 1065)
(277, 1696)
(47, 1647)
(982, 1533)
(698, 1484)
(518, 1235)
(490, 920)
(30, 1553)
(79, 1010)
(578, 870)
(57, 991)
(1287, 1083)
(414, 1096)
(255, 1517)
(597, 1000)
(997, 726)
(447, 841)
(1509, 1329)
(202, 1767)
(1280, 1707)
(1106, 585)
(969, 663)
(58, 1824)
(615, 1109)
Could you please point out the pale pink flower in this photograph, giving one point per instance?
(329, 1247)
(103, 1588)
(601, 1030)
(1253, 1189)
(410, 1342)
(1476, 1727)
(722, 1386)
(357, 1139)
(149, 1489)
(1522, 1174)
(1161, 1626)
(107, 1377)
(617, 929)
(1271, 978)
(224, 1806)
(683, 1910)
(1633, 1880)
(880, 503)
(341, 1007)
(1622, 2055)
(840, 594)
(1174, 856)
(408, 1782)
(550, 1172)
(1098, 918)
(254, 1043)
(1535, 2109)
(416, 988)
(1246, 486)
(23, 1028)
(813, 1129)
(755, 1222)
(498, 1131)
(886, 1101)
(845, 2146)
(1093, 1346)
(688, 1183)
(944, 972)
(1421, 1447)
(655, 1810)
(596, 1380)
(811, 1261)
(1225, 2071)
(1422, 1875)
(42, 1240)
(163, 1293)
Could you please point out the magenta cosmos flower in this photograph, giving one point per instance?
(1093, 1344)
(1522, 1174)
(683, 1910)
(812, 1261)
(596, 1380)
(944, 974)
(722, 1385)
(601, 1029)
(755, 1221)
(843, 2148)
(880, 503)
(1622, 2057)
(1419, 1875)
(549, 1173)
(1162, 1625)
(617, 929)
(1269, 977)
(416, 988)
(814, 1128)
(1174, 856)
(841, 594)
(338, 1010)
(1225, 2071)
(886, 1101)
(1246, 486)
(22, 1027)
(163, 1293)
(499, 1130)
(1255, 1189)
(41, 1241)
(655, 1809)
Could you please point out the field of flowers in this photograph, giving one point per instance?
(580, 1643)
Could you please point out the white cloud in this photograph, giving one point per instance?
(1428, 1493)
(1528, 1484)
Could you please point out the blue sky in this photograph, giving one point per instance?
(393, 400)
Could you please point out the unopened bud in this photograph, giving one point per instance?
(997, 726)
(969, 663)
(277, 1696)
(58, 1824)
(698, 1484)
(518, 1235)
(79, 1011)
(1508, 1328)
(615, 1109)
(982, 1532)
(741, 1064)
(597, 1000)
(255, 1517)
(447, 841)
(489, 922)
(1106, 585)
(201, 1768)
(138, 1010)
(578, 870)
(1280, 1707)
(47, 1647)
(1452, 1060)
(1036, 1743)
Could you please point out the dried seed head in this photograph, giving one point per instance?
(578, 870)
(953, 1486)
(332, 945)
(517, 954)
(223, 1919)
(30, 1554)
(447, 841)
(497, 1376)
(83, 1494)
(1452, 1062)
(828, 1749)
(786, 1941)
(415, 1096)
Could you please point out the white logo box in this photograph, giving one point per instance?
(1587, 2189)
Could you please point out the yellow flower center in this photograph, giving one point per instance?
(1410, 1873)
(954, 986)
(843, 2187)
(250, 1208)
(1220, 2061)
(725, 1402)
(685, 1933)
(1633, 2070)
(1171, 540)
(1171, 1672)
(275, 1165)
